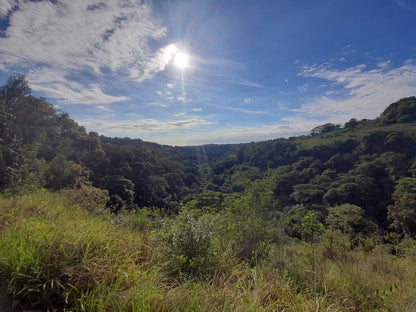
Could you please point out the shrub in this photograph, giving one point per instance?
(88, 197)
(190, 240)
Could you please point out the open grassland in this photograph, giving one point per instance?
(56, 255)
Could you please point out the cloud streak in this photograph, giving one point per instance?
(144, 126)
(241, 110)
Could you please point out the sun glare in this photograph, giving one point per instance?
(181, 60)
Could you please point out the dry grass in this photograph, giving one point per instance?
(58, 256)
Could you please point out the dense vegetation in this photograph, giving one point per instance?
(323, 222)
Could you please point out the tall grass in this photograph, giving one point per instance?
(55, 255)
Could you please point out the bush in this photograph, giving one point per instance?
(190, 240)
(88, 197)
(144, 219)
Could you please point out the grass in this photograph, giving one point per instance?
(55, 255)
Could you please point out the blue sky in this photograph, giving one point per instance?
(257, 70)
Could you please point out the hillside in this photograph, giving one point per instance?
(265, 226)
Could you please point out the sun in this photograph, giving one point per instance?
(181, 60)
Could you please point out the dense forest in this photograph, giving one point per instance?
(341, 190)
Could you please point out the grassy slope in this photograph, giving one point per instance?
(58, 255)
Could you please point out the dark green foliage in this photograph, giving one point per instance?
(402, 111)
(189, 239)
(369, 163)
(311, 227)
(323, 129)
(15, 86)
(349, 219)
(351, 123)
(207, 202)
(403, 214)
(404, 186)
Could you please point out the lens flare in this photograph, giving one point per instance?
(181, 60)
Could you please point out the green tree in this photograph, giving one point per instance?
(347, 218)
(15, 86)
(323, 129)
(63, 173)
(403, 214)
(121, 191)
(403, 187)
(403, 110)
(312, 228)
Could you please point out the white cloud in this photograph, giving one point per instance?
(77, 36)
(304, 88)
(406, 4)
(183, 99)
(5, 7)
(104, 108)
(157, 104)
(92, 95)
(153, 65)
(197, 109)
(241, 110)
(54, 84)
(143, 126)
(247, 100)
(366, 92)
(247, 83)
(384, 64)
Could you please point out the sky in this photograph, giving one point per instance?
(190, 72)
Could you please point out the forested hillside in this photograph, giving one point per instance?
(302, 210)
(43, 147)
(367, 163)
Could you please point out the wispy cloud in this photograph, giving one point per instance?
(247, 83)
(143, 126)
(5, 7)
(406, 4)
(247, 100)
(184, 99)
(179, 114)
(103, 108)
(71, 37)
(361, 92)
(238, 109)
(384, 64)
(55, 85)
